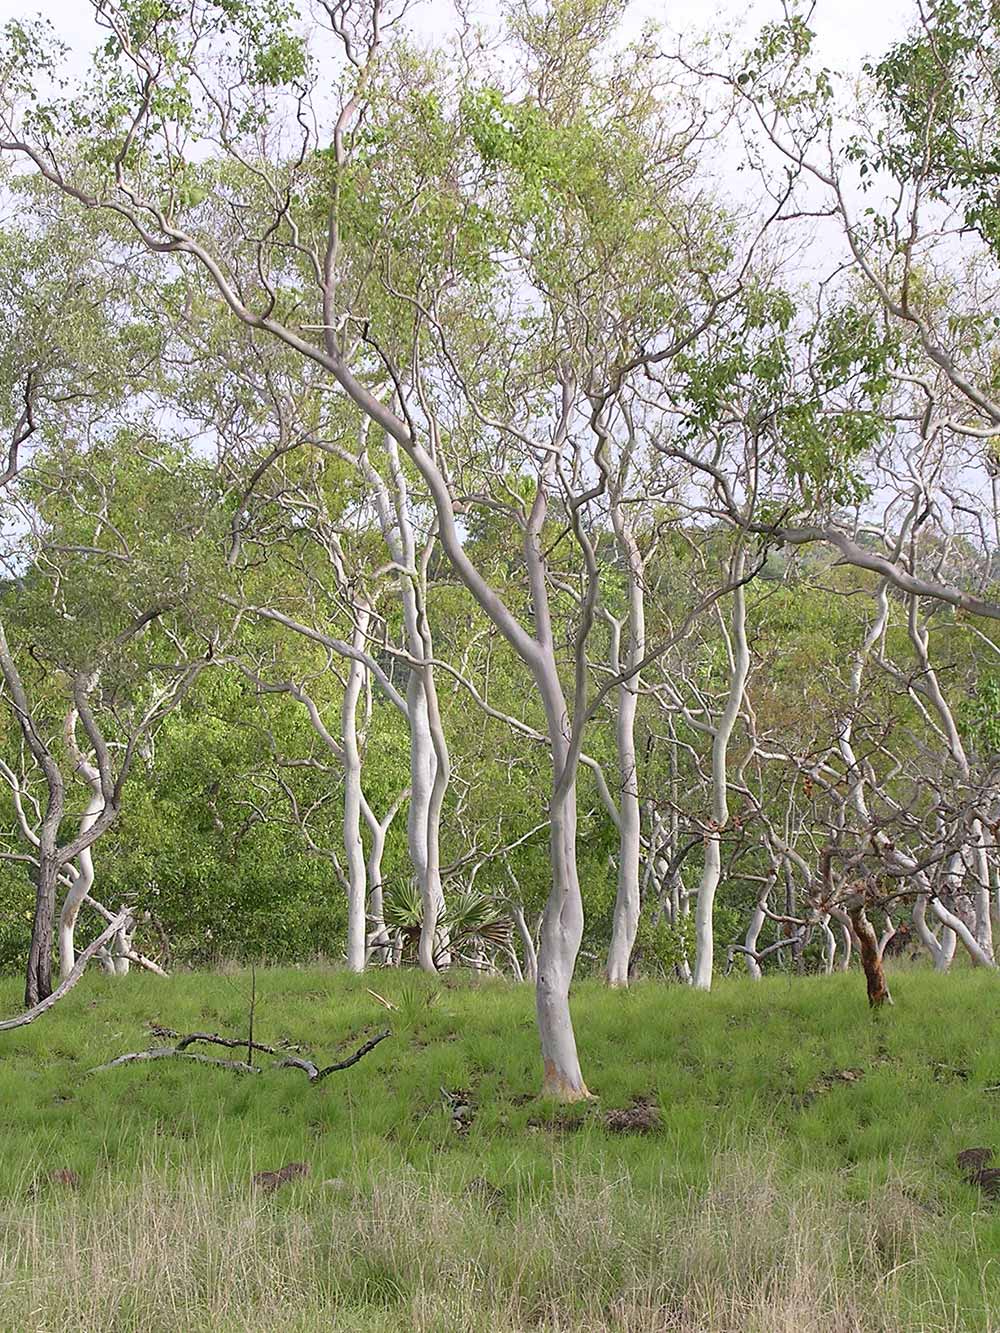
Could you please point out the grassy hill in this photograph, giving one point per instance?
(802, 1175)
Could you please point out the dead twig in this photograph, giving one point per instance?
(316, 1075)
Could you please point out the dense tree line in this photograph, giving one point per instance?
(441, 526)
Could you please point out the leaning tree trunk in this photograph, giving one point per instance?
(871, 954)
(751, 941)
(940, 947)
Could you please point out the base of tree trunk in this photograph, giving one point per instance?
(555, 1084)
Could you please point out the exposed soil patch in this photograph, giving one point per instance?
(642, 1117)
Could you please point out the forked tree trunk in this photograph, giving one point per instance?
(380, 942)
(430, 769)
(83, 876)
(940, 947)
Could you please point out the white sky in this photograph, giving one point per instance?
(848, 30)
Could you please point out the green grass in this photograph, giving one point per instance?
(774, 1196)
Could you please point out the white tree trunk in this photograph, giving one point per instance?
(976, 952)
(829, 944)
(430, 768)
(940, 947)
(82, 874)
(530, 967)
(709, 883)
(750, 942)
(562, 931)
(354, 851)
(625, 922)
(976, 849)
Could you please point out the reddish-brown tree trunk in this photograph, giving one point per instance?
(871, 957)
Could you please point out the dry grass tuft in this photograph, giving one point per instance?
(196, 1252)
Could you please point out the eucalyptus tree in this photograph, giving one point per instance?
(306, 482)
(501, 261)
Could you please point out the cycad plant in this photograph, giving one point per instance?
(473, 928)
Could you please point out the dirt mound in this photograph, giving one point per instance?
(642, 1117)
(273, 1180)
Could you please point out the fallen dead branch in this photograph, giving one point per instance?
(184, 1040)
(168, 1052)
(316, 1075)
(179, 1051)
(67, 985)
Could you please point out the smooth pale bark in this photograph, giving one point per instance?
(926, 936)
(379, 941)
(829, 944)
(562, 920)
(117, 954)
(941, 946)
(561, 933)
(347, 752)
(976, 952)
(750, 942)
(38, 971)
(354, 851)
(82, 874)
(530, 965)
(625, 922)
(848, 939)
(430, 765)
(712, 868)
(855, 774)
(950, 920)
(82, 885)
(562, 923)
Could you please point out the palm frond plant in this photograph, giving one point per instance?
(476, 927)
(473, 928)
